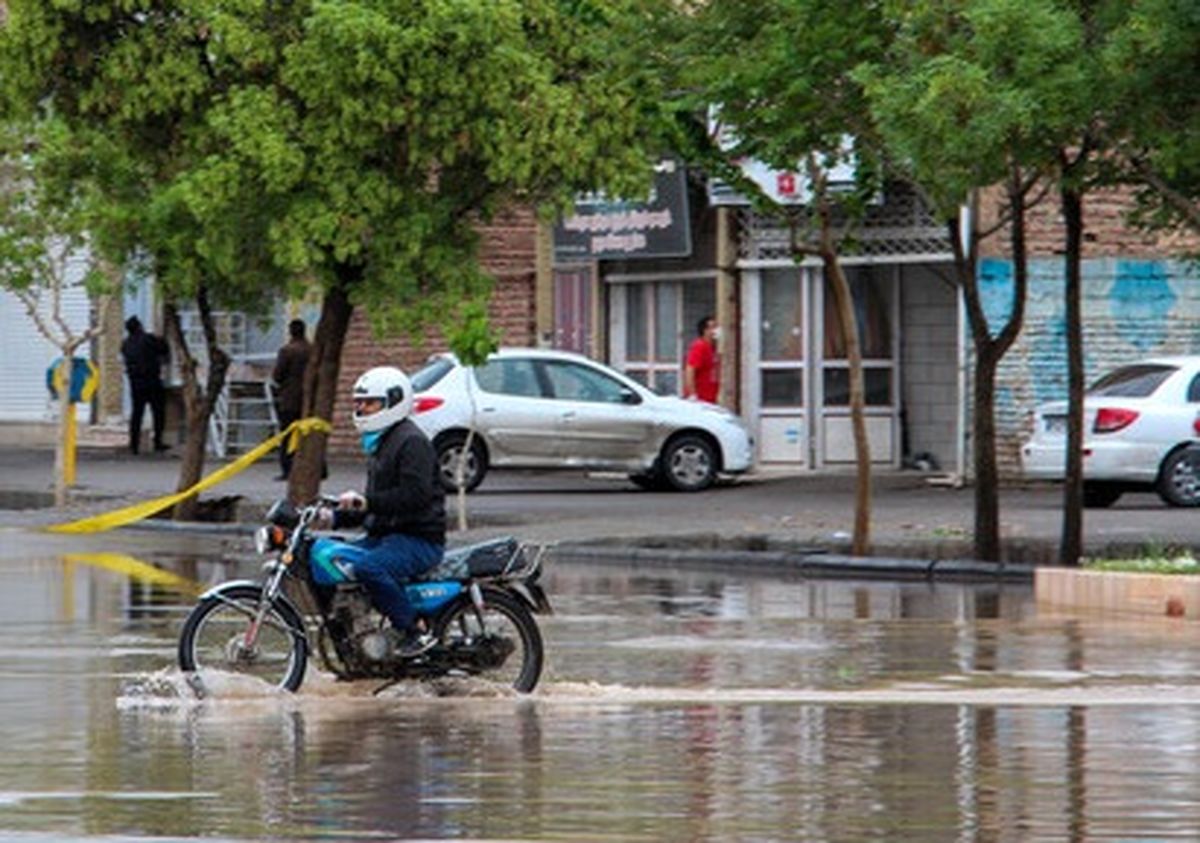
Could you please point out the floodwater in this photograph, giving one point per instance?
(677, 706)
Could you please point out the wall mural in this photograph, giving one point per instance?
(1131, 309)
(1140, 300)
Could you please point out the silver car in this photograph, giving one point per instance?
(535, 408)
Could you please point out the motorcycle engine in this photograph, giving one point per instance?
(360, 623)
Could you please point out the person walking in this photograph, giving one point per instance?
(288, 376)
(701, 374)
(144, 354)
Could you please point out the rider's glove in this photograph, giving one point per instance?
(351, 500)
(323, 519)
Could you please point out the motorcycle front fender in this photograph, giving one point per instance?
(225, 586)
(217, 592)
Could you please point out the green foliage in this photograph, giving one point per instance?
(45, 213)
(264, 142)
(970, 87)
(1152, 563)
(1155, 58)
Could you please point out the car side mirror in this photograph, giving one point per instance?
(628, 396)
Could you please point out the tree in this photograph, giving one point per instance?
(44, 252)
(1156, 143)
(780, 75)
(972, 96)
(352, 145)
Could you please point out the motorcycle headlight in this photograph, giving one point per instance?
(269, 538)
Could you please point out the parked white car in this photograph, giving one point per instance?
(535, 408)
(1141, 432)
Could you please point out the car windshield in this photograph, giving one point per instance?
(1135, 381)
(433, 372)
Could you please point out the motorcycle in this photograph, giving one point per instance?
(478, 603)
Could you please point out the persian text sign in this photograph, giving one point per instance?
(606, 229)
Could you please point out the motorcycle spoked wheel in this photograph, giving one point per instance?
(502, 644)
(213, 638)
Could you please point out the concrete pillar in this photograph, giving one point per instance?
(727, 307)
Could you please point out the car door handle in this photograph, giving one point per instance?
(568, 414)
(487, 409)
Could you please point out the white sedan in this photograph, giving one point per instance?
(1141, 432)
(535, 408)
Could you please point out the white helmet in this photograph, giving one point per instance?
(392, 387)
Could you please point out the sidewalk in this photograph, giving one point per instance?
(761, 517)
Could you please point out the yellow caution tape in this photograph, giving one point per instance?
(136, 569)
(130, 514)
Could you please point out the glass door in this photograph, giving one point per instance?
(782, 381)
(653, 325)
(874, 292)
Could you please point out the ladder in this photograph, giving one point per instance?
(243, 417)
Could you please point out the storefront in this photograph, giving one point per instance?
(790, 375)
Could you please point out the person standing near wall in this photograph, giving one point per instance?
(144, 354)
(701, 374)
(288, 376)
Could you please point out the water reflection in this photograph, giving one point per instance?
(678, 707)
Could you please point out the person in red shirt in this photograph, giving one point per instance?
(701, 374)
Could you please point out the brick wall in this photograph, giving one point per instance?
(508, 250)
(1140, 297)
(1131, 307)
(1106, 233)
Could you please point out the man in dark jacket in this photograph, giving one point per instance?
(288, 376)
(403, 509)
(144, 355)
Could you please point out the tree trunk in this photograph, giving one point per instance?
(843, 301)
(198, 403)
(321, 381)
(1071, 545)
(989, 351)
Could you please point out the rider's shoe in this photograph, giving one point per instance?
(413, 644)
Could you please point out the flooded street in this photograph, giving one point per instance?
(676, 706)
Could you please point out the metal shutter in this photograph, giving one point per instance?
(25, 354)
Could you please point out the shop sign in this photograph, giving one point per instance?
(783, 187)
(609, 229)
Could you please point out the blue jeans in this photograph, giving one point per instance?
(384, 564)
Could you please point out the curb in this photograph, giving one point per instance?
(811, 563)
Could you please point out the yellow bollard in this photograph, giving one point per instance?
(69, 438)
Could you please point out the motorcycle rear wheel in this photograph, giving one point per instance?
(213, 638)
(482, 642)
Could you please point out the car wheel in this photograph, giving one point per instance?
(689, 464)
(1101, 495)
(651, 481)
(449, 448)
(1179, 479)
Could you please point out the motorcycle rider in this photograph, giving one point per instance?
(403, 509)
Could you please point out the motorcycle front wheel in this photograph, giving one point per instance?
(501, 644)
(218, 636)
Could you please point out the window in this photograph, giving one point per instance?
(1132, 381)
(873, 291)
(660, 324)
(576, 382)
(509, 376)
(432, 372)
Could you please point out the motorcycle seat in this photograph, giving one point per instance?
(484, 559)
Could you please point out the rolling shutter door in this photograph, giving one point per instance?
(25, 354)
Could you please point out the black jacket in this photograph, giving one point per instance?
(404, 492)
(144, 355)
